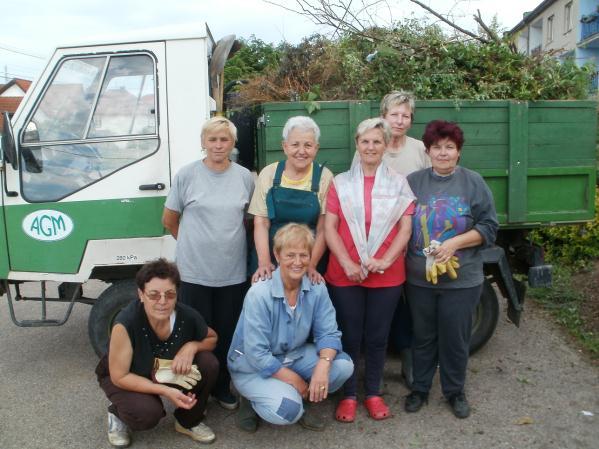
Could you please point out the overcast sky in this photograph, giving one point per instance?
(36, 27)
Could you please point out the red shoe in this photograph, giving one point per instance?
(377, 409)
(346, 410)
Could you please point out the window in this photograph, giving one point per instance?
(97, 116)
(550, 28)
(568, 17)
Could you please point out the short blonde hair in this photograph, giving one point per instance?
(374, 123)
(293, 233)
(216, 124)
(396, 98)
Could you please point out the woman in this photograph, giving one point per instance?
(153, 332)
(270, 360)
(293, 190)
(405, 155)
(205, 212)
(367, 228)
(454, 218)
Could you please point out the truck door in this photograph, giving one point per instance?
(93, 157)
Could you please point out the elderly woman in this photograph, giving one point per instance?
(293, 190)
(205, 212)
(405, 155)
(272, 364)
(158, 347)
(454, 218)
(367, 228)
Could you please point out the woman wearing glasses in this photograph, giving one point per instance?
(158, 347)
(205, 212)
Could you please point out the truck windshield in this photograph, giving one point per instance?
(97, 115)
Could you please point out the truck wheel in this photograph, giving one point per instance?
(484, 318)
(107, 306)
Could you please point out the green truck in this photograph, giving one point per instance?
(89, 157)
(538, 158)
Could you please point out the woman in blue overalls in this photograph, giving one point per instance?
(293, 190)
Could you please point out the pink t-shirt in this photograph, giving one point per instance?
(394, 275)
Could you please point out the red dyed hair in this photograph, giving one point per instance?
(441, 129)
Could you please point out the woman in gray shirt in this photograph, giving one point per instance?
(454, 218)
(205, 212)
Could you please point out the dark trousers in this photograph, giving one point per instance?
(142, 411)
(220, 307)
(401, 327)
(365, 313)
(442, 328)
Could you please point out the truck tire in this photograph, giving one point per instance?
(107, 306)
(484, 318)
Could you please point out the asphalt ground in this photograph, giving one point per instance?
(529, 388)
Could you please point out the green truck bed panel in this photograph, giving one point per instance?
(538, 158)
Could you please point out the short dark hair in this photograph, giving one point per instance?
(159, 268)
(441, 129)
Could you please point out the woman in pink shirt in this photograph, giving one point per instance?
(367, 227)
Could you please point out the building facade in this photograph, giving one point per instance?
(568, 28)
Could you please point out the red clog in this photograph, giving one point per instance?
(346, 410)
(377, 409)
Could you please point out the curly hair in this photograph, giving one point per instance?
(159, 268)
(441, 129)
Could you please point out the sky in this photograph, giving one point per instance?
(31, 29)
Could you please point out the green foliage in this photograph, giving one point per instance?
(417, 57)
(564, 302)
(571, 244)
(253, 58)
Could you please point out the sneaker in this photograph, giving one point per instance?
(415, 400)
(201, 432)
(459, 405)
(118, 432)
(227, 400)
(246, 418)
(310, 421)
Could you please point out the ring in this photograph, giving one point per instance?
(322, 387)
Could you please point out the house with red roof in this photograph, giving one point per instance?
(11, 95)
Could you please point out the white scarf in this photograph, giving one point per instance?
(391, 196)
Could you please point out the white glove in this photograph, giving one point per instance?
(163, 374)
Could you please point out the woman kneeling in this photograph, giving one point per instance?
(158, 348)
(270, 360)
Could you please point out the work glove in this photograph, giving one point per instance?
(163, 374)
(435, 269)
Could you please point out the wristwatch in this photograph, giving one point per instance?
(324, 357)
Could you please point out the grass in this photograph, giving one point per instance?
(564, 303)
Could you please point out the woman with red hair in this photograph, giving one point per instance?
(454, 218)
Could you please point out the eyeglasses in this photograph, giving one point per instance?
(169, 295)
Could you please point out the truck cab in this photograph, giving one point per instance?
(91, 152)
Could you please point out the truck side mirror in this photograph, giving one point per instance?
(8, 143)
(31, 162)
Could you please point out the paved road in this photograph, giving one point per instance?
(49, 398)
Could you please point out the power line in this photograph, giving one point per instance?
(14, 75)
(21, 52)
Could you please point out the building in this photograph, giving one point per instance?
(11, 95)
(568, 28)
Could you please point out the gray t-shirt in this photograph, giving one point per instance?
(447, 206)
(211, 244)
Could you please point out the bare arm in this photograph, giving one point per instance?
(265, 265)
(397, 247)
(170, 220)
(119, 361)
(292, 378)
(184, 358)
(352, 269)
(317, 251)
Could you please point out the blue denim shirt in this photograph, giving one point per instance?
(269, 332)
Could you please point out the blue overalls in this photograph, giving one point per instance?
(286, 205)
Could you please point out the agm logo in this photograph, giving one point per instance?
(47, 225)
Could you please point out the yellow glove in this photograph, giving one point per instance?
(163, 374)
